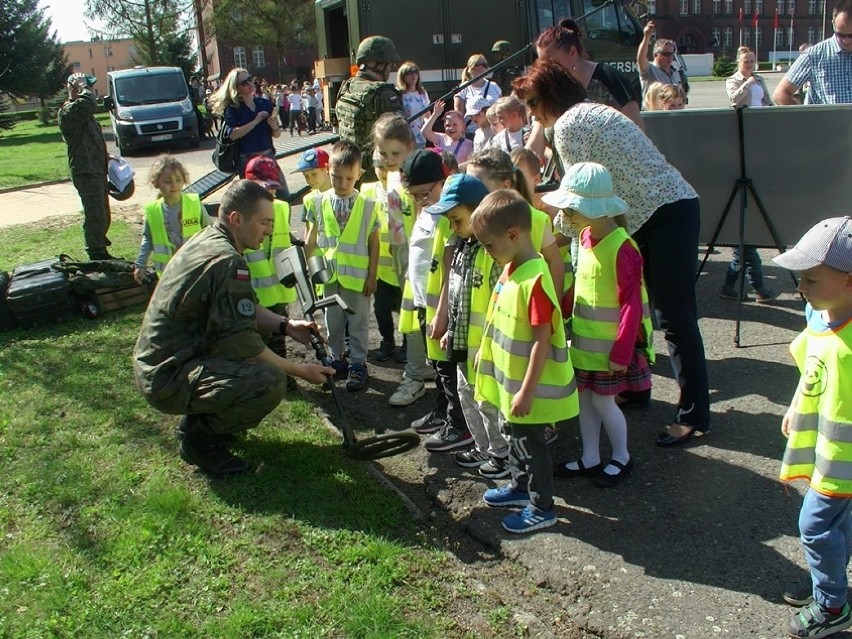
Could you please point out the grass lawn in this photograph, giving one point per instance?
(32, 152)
(105, 533)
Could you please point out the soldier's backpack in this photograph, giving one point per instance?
(40, 294)
(356, 113)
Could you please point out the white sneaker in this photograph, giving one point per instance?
(408, 392)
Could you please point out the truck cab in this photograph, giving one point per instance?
(150, 106)
(440, 36)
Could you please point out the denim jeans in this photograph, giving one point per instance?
(669, 244)
(753, 264)
(825, 526)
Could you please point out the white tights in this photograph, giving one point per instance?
(595, 409)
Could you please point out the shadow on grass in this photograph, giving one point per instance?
(44, 137)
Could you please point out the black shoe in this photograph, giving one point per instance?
(212, 459)
(401, 356)
(385, 352)
(665, 440)
(562, 471)
(605, 480)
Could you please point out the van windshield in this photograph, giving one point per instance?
(150, 89)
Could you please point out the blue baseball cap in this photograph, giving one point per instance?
(459, 189)
(312, 159)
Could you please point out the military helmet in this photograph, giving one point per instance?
(502, 46)
(378, 49)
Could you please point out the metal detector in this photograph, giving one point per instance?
(295, 271)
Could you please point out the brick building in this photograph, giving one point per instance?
(719, 26)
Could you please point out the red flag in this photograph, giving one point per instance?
(741, 14)
(754, 20)
(775, 23)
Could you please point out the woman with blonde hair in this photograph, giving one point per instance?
(482, 88)
(250, 120)
(414, 97)
(745, 87)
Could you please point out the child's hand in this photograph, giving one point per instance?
(370, 286)
(521, 404)
(138, 275)
(785, 424)
(616, 368)
(439, 108)
(437, 327)
(445, 341)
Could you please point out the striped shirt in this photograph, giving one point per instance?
(828, 69)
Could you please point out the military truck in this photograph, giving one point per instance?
(440, 35)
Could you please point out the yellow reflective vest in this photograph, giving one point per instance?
(261, 261)
(377, 192)
(596, 308)
(347, 250)
(434, 284)
(819, 447)
(504, 357)
(190, 219)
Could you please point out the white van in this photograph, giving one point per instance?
(150, 106)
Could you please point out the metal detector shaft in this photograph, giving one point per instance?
(322, 356)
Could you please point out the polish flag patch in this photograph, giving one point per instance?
(242, 275)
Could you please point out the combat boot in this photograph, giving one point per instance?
(199, 448)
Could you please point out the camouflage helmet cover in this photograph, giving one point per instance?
(502, 46)
(378, 49)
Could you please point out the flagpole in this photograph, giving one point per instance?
(775, 26)
(824, 3)
(790, 55)
(756, 44)
(741, 26)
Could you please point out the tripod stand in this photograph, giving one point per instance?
(743, 186)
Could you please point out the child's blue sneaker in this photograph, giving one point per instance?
(530, 519)
(506, 496)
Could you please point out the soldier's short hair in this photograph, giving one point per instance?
(243, 196)
(344, 153)
(501, 210)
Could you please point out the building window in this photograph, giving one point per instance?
(758, 7)
(240, 57)
(747, 8)
(684, 7)
(747, 37)
(77, 66)
(729, 7)
(717, 7)
(652, 7)
(779, 37)
(811, 35)
(791, 7)
(717, 37)
(108, 51)
(779, 6)
(90, 53)
(758, 36)
(729, 37)
(811, 7)
(790, 36)
(696, 7)
(258, 58)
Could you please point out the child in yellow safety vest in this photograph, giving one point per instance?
(170, 220)
(270, 292)
(523, 370)
(423, 175)
(345, 229)
(611, 325)
(818, 426)
(313, 165)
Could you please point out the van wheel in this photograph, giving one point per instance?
(123, 149)
(195, 144)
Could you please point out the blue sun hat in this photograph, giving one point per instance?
(459, 189)
(587, 188)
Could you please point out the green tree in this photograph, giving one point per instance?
(160, 29)
(272, 23)
(32, 61)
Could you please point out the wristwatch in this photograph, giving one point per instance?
(282, 327)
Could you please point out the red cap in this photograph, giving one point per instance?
(265, 171)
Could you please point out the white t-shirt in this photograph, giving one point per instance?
(481, 138)
(756, 95)
(420, 255)
(295, 101)
(506, 141)
(490, 91)
(461, 149)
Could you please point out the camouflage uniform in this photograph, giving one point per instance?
(507, 75)
(87, 159)
(385, 99)
(199, 333)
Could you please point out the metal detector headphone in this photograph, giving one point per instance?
(294, 271)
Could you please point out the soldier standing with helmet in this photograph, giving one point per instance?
(87, 159)
(364, 97)
(502, 49)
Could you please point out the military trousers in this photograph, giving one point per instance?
(92, 188)
(232, 395)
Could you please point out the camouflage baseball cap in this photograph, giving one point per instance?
(377, 49)
(502, 46)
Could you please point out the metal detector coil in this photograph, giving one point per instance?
(295, 272)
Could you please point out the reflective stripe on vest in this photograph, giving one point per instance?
(596, 307)
(261, 262)
(506, 346)
(190, 221)
(819, 447)
(348, 250)
(434, 283)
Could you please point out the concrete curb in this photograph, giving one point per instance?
(35, 185)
